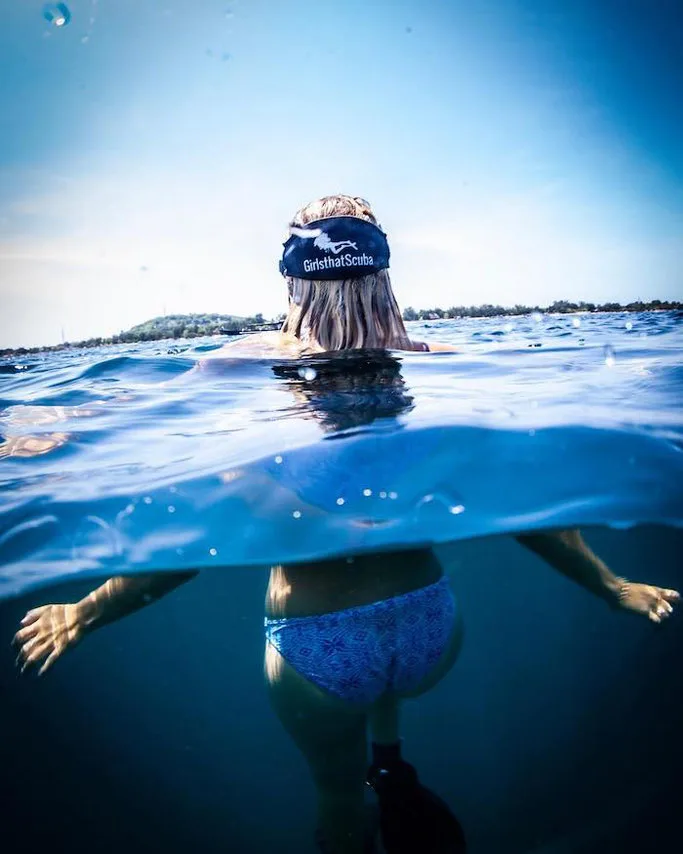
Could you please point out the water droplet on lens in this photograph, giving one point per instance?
(456, 509)
(297, 514)
(171, 508)
(610, 357)
(307, 373)
(367, 493)
(57, 14)
(576, 322)
(628, 325)
(278, 459)
(393, 495)
(340, 501)
(536, 316)
(213, 552)
(508, 327)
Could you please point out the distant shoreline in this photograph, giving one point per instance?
(189, 326)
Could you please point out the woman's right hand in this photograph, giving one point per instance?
(46, 633)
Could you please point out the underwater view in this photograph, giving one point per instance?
(146, 458)
(332, 525)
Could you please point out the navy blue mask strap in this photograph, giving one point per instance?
(340, 247)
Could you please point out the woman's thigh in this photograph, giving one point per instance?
(329, 732)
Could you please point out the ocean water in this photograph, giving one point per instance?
(557, 730)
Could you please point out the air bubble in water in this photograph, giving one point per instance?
(297, 514)
(628, 325)
(457, 509)
(382, 494)
(576, 322)
(610, 358)
(340, 501)
(536, 316)
(57, 14)
(278, 460)
(213, 552)
(367, 493)
(307, 373)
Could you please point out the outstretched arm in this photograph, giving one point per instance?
(49, 631)
(567, 552)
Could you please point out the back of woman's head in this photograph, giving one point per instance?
(343, 314)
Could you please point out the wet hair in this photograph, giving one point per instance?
(343, 314)
(345, 389)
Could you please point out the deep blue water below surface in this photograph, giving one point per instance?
(558, 730)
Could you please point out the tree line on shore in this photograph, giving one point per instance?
(158, 328)
(558, 307)
(199, 325)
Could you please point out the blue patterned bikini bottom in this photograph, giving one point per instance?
(361, 653)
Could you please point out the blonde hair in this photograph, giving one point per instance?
(343, 314)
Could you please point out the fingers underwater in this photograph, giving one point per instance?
(33, 615)
(54, 655)
(24, 634)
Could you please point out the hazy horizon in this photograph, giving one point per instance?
(151, 155)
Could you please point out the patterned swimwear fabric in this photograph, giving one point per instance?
(361, 653)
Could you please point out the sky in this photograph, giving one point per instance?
(151, 154)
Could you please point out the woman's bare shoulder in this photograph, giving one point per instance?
(260, 345)
(433, 347)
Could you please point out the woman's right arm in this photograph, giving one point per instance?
(49, 631)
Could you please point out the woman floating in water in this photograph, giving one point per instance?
(348, 638)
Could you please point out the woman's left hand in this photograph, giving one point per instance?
(656, 603)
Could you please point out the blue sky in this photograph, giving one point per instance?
(152, 153)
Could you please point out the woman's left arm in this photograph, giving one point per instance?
(568, 553)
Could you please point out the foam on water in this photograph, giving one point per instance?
(139, 458)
